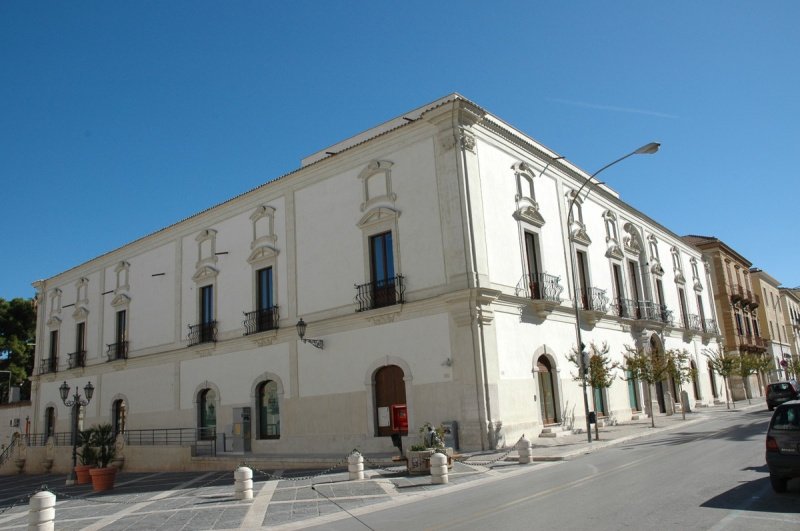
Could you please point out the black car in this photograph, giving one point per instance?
(780, 392)
(783, 445)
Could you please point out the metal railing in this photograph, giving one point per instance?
(6, 454)
(117, 351)
(261, 320)
(203, 333)
(540, 286)
(380, 293)
(626, 308)
(48, 365)
(695, 323)
(594, 299)
(77, 359)
(63, 438)
(751, 341)
(710, 326)
(643, 310)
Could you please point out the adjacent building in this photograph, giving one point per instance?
(420, 271)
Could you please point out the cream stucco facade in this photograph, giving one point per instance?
(447, 229)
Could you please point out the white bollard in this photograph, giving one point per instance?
(524, 450)
(355, 466)
(42, 511)
(438, 469)
(243, 483)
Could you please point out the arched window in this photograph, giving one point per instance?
(118, 414)
(49, 421)
(207, 412)
(269, 419)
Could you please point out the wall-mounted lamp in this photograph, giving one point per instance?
(301, 331)
(447, 363)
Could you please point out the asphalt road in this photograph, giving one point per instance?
(710, 475)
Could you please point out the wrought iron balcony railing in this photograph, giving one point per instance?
(626, 308)
(540, 286)
(48, 365)
(751, 341)
(710, 326)
(380, 293)
(594, 299)
(261, 320)
(652, 311)
(77, 359)
(117, 351)
(203, 333)
(694, 323)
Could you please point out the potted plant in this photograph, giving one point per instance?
(87, 457)
(103, 442)
(431, 441)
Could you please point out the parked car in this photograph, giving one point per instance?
(783, 445)
(780, 392)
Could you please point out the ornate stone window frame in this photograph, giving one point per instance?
(122, 273)
(377, 170)
(81, 311)
(263, 253)
(577, 230)
(206, 248)
(677, 265)
(655, 261)
(632, 241)
(613, 249)
(527, 207)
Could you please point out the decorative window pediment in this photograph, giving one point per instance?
(122, 273)
(206, 248)
(655, 262)
(263, 219)
(632, 241)
(378, 215)
(376, 184)
(55, 302)
(577, 229)
(82, 291)
(205, 273)
(698, 286)
(80, 313)
(262, 253)
(527, 207)
(677, 266)
(612, 238)
(54, 321)
(121, 301)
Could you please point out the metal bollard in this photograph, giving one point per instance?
(438, 469)
(42, 511)
(243, 483)
(524, 450)
(355, 466)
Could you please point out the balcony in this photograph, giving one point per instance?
(48, 365)
(751, 343)
(594, 303)
(380, 293)
(541, 287)
(203, 333)
(642, 311)
(693, 323)
(117, 351)
(710, 326)
(261, 320)
(77, 359)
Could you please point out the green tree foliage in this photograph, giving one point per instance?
(17, 341)
(680, 370)
(792, 367)
(646, 367)
(726, 365)
(600, 371)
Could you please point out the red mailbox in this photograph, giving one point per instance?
(399, 418)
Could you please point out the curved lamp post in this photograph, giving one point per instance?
(75, 403)
(301, 331)
(647, 149)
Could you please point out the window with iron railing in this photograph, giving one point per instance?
(117, 351)
(77, 359)
(261, 320)
(380, 293)
(203, 333)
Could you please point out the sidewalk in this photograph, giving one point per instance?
(199, 500)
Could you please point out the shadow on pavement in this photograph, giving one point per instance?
(757, 495)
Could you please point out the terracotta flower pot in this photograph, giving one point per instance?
(103, 478)
(82, 474)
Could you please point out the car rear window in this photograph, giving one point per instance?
(780, 386)
(786, 418)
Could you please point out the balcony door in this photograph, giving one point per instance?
(533, 262)
(546, 391)
(382, 275)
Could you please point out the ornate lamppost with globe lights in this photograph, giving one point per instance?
(75, 403)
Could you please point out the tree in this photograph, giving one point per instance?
(17, 341)
(764, 365)
(647, 367)
(792, 367)
(725, 366)
(748, 364)
(680, 370)
(600, 371)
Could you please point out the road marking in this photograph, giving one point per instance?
(254, 518)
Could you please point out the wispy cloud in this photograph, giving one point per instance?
(612, 108)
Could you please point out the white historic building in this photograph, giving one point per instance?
(429, 258)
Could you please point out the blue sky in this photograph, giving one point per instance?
(120, 118)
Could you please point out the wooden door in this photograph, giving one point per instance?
(390, 389)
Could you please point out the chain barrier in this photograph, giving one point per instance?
(20, 501)
(467, 461)
(375, 465)
(339, 464)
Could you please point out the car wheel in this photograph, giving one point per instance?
(778, 484)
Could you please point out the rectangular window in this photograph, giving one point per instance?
(382, 270)
(684, 311)
(583, 279)
(532, 261)
(206, 304)
(700, 309)
(121, 326)
(52, 362)
(264, 288)
(620, 292)
(739, 324)
(660, 291)
(80, 337)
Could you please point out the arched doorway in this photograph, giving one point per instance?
(268, 410)
(49, 422)
(207, 414)
(633, 397)
(390, 389)
(547, 391)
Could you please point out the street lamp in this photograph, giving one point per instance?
(301, 331)
(647, 149)
(76, 403)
